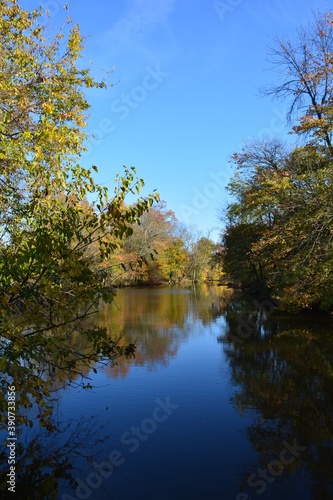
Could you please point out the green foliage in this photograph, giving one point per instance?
(53, 243)
(240, 260)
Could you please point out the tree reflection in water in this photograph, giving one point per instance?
(159, 320)
(43, 459)
(283, 371)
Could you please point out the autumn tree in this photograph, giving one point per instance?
(305, 68)
(281, 215)
(48, 285)
(200, 259)
(176, 261)
(279, 230)
(157, 248)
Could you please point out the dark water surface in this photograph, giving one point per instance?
(224, 400)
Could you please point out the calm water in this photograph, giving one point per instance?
(224, 400)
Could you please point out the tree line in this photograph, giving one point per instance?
(279, 224)
(162, 250)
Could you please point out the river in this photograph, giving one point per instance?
(225, 399)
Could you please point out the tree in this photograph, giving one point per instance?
(51, 243)
(156, 247)
(260, 169)
(306, 70)
(177, 260)
(200, 259)
(282, 196)
(279, 229)
(240, 261)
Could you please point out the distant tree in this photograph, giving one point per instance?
(142, 253)
(177, 260)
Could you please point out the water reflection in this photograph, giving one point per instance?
(44, 459)
(280, 378)
(159, 320)
(283, 371)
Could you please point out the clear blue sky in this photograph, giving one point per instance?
(186, 77)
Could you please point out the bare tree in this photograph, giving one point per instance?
(305, 66)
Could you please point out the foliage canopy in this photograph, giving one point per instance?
(280, 225)
(53, 243)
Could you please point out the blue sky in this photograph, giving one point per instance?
(185, 96)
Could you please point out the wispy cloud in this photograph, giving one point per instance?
(143, 30)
